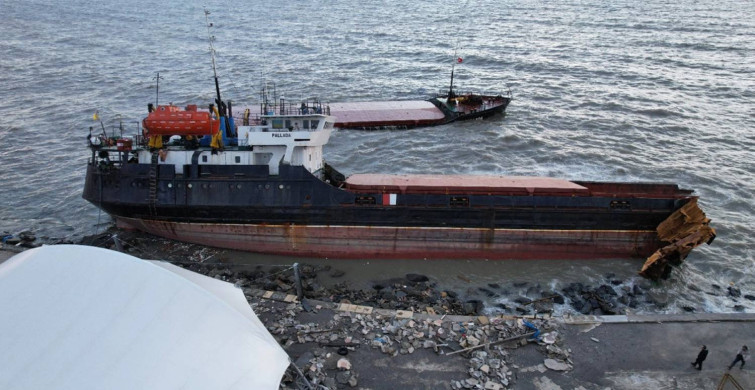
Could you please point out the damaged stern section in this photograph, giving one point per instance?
(683, 230)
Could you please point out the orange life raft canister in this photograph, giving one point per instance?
(172, 120)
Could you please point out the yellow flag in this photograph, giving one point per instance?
(96, 116)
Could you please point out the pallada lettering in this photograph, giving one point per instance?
(281, 135)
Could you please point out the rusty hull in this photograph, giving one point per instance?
(367, 242)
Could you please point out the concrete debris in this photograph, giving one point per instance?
(487, 365)
(556, 365)
(343, 364)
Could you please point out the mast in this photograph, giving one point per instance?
(212, 55)
(157, 87)
(451, 94)
(221, 106)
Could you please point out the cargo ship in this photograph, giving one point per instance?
(267, 188)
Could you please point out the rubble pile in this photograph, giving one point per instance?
(484, 342)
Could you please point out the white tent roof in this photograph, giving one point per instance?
(78, 317)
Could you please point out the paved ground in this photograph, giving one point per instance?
(656, 353)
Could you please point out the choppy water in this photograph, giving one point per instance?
(633, 91)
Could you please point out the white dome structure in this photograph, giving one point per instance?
(78, 317)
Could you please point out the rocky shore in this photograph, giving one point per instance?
(415, 292)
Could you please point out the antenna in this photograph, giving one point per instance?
(157, 87)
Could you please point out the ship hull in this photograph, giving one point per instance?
(398, 242)
(295, 213)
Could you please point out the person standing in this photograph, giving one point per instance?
(742, 355)
(700, 358)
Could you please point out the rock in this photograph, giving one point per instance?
(594, 339)
(555, 365)
(749, 297)
(490, 385)
(27, 236)
(605, 290)
(734, 292)
(353, 381)
(330, 383)
(488, 293)
(343, 364)
(343, 377)
(485, 369)
(417, 278)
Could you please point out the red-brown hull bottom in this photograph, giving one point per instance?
(407, 242)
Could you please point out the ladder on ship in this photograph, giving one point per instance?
(152, 200)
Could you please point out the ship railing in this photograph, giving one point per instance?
(298, 107)
(444, 93)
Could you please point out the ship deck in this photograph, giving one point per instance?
(379, 114)
(386, 114)
(445, 184)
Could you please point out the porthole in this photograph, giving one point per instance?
(170, 185)
(189, 185)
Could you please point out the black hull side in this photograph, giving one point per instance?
(247, 195)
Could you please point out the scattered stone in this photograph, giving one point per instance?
(490, 385)
(555, 365)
